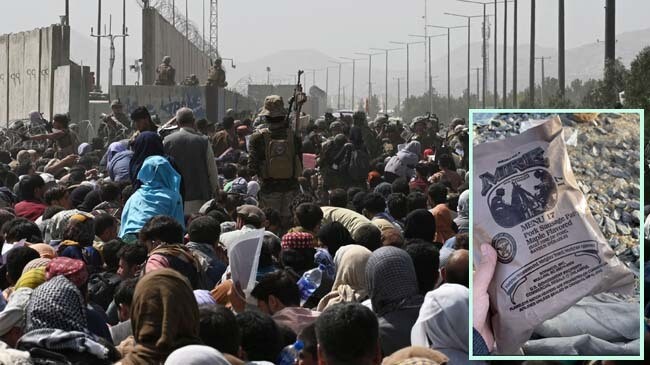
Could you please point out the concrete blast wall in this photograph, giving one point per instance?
(27, 61)
(160, 39)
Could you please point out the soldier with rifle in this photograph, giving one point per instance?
(276, 154)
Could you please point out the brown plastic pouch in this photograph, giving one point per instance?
(550, 251)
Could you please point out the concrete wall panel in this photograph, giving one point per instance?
(161, 39)
(61, 90)
(4, 77)
(46, 75)
(31, 71)
(16, 75)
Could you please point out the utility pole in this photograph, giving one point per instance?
(496, 38)
(99, 45)
(531, 76)
(174, 13)
(399, 94)
(408, 44)
(268, 75)
(469, 18)
(543, 78)
(505, 53)
(560, 45)
(67, 12)
(478, 70)
(369, 55)
(428, 38)
(386, 79)
(610, 32)
(485, 31)
(449, 63)
(111, 37)
(515, 102)
(338, 101)
(354, 68)
(203, 34)
(124, 42)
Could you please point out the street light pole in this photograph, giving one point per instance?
(354, 68)
(496, 37)
(369, 55)
(408, 51)
(469, 18)
(428, 39)
(515, 102)
(478, 69)
(399, 108)
(449, 63)
(124, 42)
(531, 76)
(543, 77)
(386, 78)
(505, 53)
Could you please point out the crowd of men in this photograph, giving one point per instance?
(117, 251)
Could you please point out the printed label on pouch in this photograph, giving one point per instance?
(550, 251)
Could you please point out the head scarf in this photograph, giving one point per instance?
(147, 144)
(164, 317)
(73, 270)
(46, 251)
(415, 355)
(443, 322)
(14, 313)
(334, 235)
(296, 240)
(253, 188)
(373, 176)
(91, 200)
(31, 279)
(196, 355)
(392, 283)
(463, 204)
(350, 284)
(36, 263)
(23, 157)
(157, 173)
(204, 299)
(56, 304)
(84, 148)
(59, 222)
(114, 149)
(420, 223)
(78, 195)
(384, 189)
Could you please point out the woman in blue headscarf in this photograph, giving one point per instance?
(158, 195)
(145, 145)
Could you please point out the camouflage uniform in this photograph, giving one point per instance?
(275, 193)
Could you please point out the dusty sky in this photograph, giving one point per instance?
(250, 29)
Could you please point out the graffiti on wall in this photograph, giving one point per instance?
(163, 104)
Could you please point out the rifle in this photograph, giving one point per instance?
(296, 102)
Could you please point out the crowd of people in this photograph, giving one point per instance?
(118, 251)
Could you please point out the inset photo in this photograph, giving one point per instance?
(556, 231)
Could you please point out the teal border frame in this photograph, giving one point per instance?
(641, 234)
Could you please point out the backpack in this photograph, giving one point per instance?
(101, 288)
(280, 162)
(357, 164)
